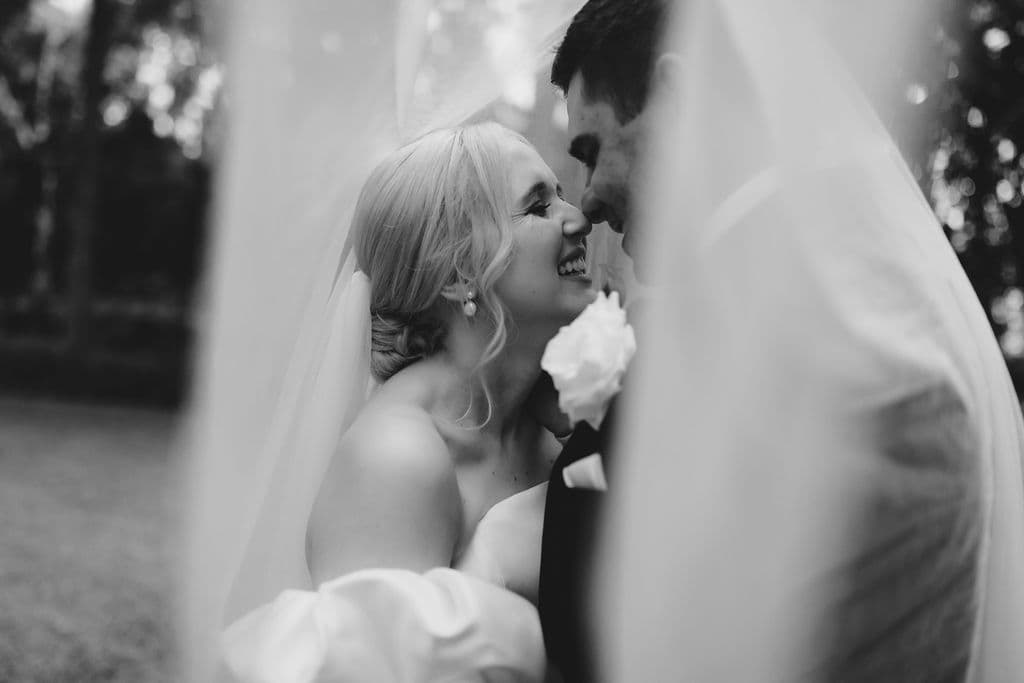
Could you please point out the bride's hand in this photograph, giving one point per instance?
(505, 548)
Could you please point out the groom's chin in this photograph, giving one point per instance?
(644, 273)
(629, 247)
(639, 274)
(627, 237)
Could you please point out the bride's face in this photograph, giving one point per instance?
(548, 279)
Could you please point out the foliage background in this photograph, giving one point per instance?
(104, 187)
(108, 137)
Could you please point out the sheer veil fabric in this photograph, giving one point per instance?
(737, 488)
(318, 93)
(803, 285)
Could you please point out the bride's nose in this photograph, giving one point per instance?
(576, 224)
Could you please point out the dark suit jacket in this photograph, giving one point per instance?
(901, 609)
(572, 521)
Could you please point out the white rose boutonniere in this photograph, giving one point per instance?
(588, 358)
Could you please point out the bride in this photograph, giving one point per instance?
(473, 261)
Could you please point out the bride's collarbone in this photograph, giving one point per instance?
(475, 448)
(487, 468)
(487, 472)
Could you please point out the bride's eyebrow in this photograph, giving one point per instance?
(539, 189)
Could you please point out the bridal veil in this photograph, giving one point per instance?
(743, 472)
(808, 294)
(318, 93)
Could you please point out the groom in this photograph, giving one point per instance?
(903, 607)
(605, 66)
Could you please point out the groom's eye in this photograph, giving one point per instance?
(585, 148)
(588, 162)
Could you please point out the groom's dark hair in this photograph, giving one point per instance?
(614, 44)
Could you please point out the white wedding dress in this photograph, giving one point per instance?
(389, 625)
(710, 547)
(398, 625)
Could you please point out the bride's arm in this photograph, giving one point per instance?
(391, 608)
(389, 499)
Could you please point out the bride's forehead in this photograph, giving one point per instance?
(524, 166)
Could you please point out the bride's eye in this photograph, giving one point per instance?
(539, 209)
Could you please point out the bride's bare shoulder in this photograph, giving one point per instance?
(397, 418)
(391, 423)
(394, 442)
(389, 498)
(394, 438)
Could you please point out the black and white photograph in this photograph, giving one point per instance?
(550, 341)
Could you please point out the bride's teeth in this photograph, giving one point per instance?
(578, 265)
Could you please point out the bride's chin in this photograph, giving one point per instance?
(580, 302)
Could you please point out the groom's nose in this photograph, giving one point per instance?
(592, 207)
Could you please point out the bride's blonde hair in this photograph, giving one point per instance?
(436, 212)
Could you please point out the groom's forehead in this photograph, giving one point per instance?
(586, 114)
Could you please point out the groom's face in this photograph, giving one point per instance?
(608, 150)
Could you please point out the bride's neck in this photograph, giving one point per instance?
(497, 392)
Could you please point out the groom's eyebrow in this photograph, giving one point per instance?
(584, 147)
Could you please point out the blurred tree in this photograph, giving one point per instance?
(103, 172)
(119, 130)
(83, 172)
(973, 168)
(37, 82)
(148, 60)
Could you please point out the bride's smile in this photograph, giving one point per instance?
(574, 265)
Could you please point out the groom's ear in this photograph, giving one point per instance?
(669, 71)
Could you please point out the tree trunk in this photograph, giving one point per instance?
(84, 174)
(41, 284)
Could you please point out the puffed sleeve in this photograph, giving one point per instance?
(389, 625)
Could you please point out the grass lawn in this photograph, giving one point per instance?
(87, 544)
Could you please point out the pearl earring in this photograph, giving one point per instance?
(469, 306)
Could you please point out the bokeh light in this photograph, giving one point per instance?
(996, 39)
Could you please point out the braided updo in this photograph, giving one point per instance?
(397, 341)
(433, 213)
